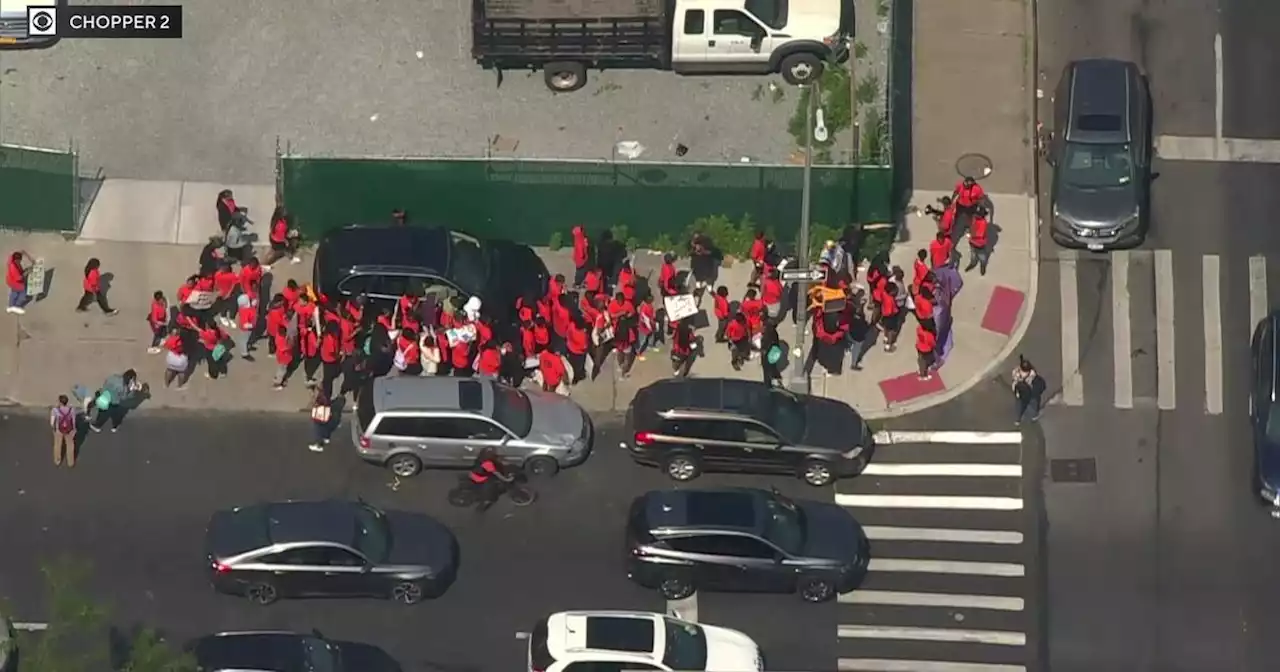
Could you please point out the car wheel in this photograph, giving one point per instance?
(405, 465)
(801, 69)
(564, 77)
(262, 594)
(817, 473)
(682, 467)
(407, 592)
(675, 587)
(816, 589)
(541, 466)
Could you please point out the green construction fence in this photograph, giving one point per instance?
(39, 189)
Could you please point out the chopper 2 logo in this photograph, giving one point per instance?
(144, 21)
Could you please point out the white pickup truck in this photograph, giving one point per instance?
(564, 38)
(13, 24)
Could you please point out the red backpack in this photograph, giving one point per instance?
(66, 420)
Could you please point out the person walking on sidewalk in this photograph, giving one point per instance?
(979, 243)
(581, 255)
(772, 353)
(157, 321)
(859, 329)
(64, 419)
(177, 364)
(1028, 390)
(283, 239)
(16, 279)
(967, 198)
(322, 421)
(926, 343)
(118, 394)
(93, 290)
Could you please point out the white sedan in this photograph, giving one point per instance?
(613, 641)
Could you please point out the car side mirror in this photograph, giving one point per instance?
(756, 41)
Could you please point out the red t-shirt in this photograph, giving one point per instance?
(93, 281)
(490, 362)
(925, 340)
(721, 307)
(735, 331)
(225, 281)
(158, 316)
(173, 344)
(758, 250)
(771, 291)
(978, 232)
(14, 278)
(250, 276)
(247, 316)
(940, 252)
(552, 368)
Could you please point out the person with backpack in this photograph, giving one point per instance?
(120, 393)
(322, 421)
(64, 419)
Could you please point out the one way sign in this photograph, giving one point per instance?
(810, 274)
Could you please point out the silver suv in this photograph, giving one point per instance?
(407, 423)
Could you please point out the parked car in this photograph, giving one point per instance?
(328, 549)
(744, 540)
(1264, 410)
(14, 30)
(618, 641)
(694, 425)
(383, 262)
(269, 651)
(408, 422)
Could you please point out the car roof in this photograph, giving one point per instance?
(411, 248)
(711, 395)
(618, 635)
(1101, 92)
(244, 651)
(728, 509)
(330, 521)
(443, 393)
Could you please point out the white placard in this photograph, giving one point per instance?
(680, 306)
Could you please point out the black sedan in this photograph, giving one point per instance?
(328, 549)
(286, 652)
(1264, 407)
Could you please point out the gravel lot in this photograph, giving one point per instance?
(347, 79)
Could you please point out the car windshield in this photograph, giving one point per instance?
(321, 655)
(512, 410)
(784, 524)
(468, 262)
(686, 646)
(373, 535)
(788, 415)
(1272, 428)
(1097, 166)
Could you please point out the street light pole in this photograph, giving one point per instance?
(799, 380)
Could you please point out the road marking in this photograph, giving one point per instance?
(31, 627)
(907, 599)
(898, 665)
(1212, 335)
(930, 502)
(1068, 286)
(1166, 390)
(970, 568)
(889, 533)
(998, 637)
(1257, 291)
(1012, 470)
(523, 635)
(686, 609)
(983, 438)
(1120, 329)
(1218, 86)
(1233, 150)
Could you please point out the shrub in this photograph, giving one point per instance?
(556, 242)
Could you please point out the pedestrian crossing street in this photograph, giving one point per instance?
(1187, 294)
(947, 586)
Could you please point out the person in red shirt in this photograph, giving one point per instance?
(589, 306)
(890, 316)
(877, 279)
(247, 321)
(721, 311)
(979, 249)
(330, 357)
(561, 316)
(738, 336)
(211, 336)
(620, 308)
(348, 329)
(919, 268)
(924, 308)
(552, 372)
(753, 309)
(968, 195)
(228, 210)
(581, 255)
(460, 356)
(489, 361)
(759, 252)
(93, 290)
(15, 278)
(668, 276)
(225, 282)
(175, 347)
(947, 217)
(278, 318)
(577, 344)
(829, 332)
(528, 343)
(926, 343)
(627, 280)
(684, 346)
(771, 295)
(353, 309)
(593, 281)
(647, 326)
(291, 293)
(283, 240)
(408, 354)
(251, 274)
(555, 287)
(158, 321)
(602, 331)
(308, 340)
(941, 250)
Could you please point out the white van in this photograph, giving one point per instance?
(13, 24)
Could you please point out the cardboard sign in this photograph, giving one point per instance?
(680, 306)
(202, 300)
(35, 278)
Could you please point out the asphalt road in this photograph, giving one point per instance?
(392, 78)
(1167, 561)
(136, 504)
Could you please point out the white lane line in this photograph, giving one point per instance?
(1233, 150)
(1257, 291)
(1068, 286)
(1212, 335)
(686, 609)
(1010, 470)
(930, 502)
(523, 635)
(1218, 86)
(908, 599)
(890, 533)
(998, 637)
(1120, 329)
(968, 568)
(31, 627)
(902, 665)
(1166, 378)
(975, 438)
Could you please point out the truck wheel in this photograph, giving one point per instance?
(565, 77)
(801, 69)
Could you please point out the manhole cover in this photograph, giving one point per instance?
(1081, 470)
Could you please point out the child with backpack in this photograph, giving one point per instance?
(64, 419)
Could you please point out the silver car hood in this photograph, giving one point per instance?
(557, 421)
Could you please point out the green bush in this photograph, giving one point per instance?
(833, 98)
(732, 238)
(556, 242)
(663, 244)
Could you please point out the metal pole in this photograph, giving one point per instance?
(800, 381)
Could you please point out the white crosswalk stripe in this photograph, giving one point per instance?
(1146, 374)
(947, 587)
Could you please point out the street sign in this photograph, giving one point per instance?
(810, 274)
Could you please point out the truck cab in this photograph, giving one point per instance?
(13, 25)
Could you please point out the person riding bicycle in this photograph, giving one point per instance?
(489, 476)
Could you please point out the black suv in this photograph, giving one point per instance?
(1264, 410)
(384, 262)
(688, 426)
(743, 539)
